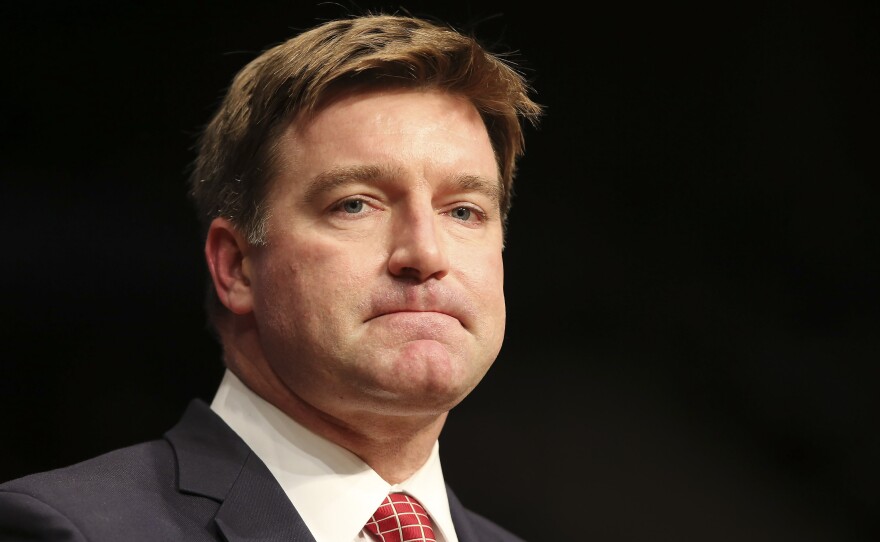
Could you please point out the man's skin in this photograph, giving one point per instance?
(376, 303)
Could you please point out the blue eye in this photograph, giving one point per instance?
(461, 213)
(353, 206)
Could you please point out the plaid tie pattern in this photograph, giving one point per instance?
(400, 518)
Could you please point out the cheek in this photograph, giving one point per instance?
(490, 271)
(332, 272)
(484, 279)
(312, 282)
(494, 275)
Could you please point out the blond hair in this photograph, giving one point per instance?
(234, 166)
(235, 151)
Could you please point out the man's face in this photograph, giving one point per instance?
(380, 288)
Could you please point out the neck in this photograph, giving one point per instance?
(395, 446)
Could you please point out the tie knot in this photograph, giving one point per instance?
(401, 518)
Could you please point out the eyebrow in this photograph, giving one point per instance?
(477, 183)
(333, 178)
(339, 176)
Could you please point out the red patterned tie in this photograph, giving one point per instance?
(400, 518)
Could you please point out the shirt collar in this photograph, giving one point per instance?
(333, 490)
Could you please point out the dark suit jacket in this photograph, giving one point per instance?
(201, 482)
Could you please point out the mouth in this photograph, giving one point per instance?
(421, 307)
(404, 312)
(413, 325)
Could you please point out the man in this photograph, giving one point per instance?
(354, 186)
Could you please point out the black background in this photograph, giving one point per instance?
(692, 262)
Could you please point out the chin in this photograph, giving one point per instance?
(427, 385)
(425, 404)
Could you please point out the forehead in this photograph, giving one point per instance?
(393, 109)
(411, 131)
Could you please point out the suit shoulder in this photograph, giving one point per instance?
(490, 531)
(132, 490)
(111, 480)
(58, 503)
(27, 518)
(474, 526)
(118, 468)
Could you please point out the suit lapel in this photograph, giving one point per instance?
(214, 462)
(256, 508)
(464, 528)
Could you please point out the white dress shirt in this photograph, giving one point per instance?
(333, 490)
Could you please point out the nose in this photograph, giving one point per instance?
(418, 253)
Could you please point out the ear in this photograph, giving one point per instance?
(226, 251)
